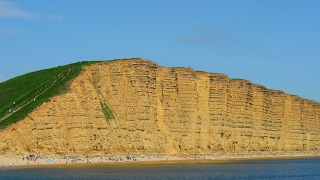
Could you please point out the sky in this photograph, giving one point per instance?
(275, 43)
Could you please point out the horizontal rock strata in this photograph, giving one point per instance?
(138, 107)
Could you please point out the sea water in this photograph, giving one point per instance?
(308, 168)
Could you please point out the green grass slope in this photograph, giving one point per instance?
(21, 95)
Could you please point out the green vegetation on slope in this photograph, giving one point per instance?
(21, 95)
(106, 111)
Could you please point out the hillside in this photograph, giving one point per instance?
(138, 107)
(22, 94)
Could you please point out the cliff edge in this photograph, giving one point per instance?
(137, 107)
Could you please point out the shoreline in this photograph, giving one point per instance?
(8, 162)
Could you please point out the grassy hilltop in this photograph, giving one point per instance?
(21, 95)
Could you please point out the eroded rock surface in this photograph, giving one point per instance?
(138, 107)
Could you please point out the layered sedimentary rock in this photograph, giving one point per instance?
(138, 107)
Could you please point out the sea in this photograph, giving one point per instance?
(303, 168)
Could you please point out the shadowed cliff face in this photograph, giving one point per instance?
(137, 107)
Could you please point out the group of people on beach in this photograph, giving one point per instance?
(7, 164)
(31, 157)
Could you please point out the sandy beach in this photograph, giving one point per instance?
(13, 161)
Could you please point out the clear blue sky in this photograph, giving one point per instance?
(275, 43)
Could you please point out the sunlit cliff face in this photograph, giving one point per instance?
(137, 107)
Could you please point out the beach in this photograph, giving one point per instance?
(282, 167)
(12, 161)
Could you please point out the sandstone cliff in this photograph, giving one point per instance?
(138, 107)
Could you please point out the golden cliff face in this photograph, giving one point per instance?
(137, 107)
